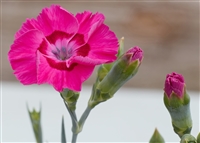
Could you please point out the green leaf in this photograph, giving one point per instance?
(36, 124)
(63, 138)
(156, 137)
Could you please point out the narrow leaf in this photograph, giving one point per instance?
(63, 138)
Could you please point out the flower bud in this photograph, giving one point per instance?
(174, 84)
(122, 71)
(156, 137)
(187, 138)
(36, 124)
(70, 97)
(177, 102)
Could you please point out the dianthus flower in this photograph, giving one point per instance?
(61, 49)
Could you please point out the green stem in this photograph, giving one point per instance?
(77, 126)
(73, 118)
(84, 117)
(74, 137)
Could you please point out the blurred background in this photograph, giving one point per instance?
(168, 32)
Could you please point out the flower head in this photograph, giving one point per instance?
(61, 49)
(174, 83)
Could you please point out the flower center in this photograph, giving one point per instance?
(61, 51)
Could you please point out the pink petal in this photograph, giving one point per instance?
(89, 23)
(85, 61)
(103, 44)
(57, 74)
(76, 42)
(23, 56)
(174, 82)
(51, 19)
(28, 25)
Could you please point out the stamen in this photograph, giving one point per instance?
(62, 53)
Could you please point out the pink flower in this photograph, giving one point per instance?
(61, 49)
(174, 83)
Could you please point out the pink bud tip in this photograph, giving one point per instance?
(137, 53)
(174, 83)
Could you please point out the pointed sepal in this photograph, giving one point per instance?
(121, 47)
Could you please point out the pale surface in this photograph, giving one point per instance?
(131, 116)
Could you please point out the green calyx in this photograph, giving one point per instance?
(103, 71)
(187, 138)
(97, 97)
(156, 137)
(174, 101)
(179, 109)
(70, 97)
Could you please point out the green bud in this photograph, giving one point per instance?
(187, 138)
(156, 137)
(177, 102)
(122, 71)
(36, 124)
(70, 97)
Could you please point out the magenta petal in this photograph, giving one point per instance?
(137, 53)
(174, 83)
(103, 44)
(30, 24)
(85, 61)
(23, 56)
(168, 89)
(61, 78)
(51, 19)
(89, 22)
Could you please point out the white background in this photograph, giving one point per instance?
(130, 116)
